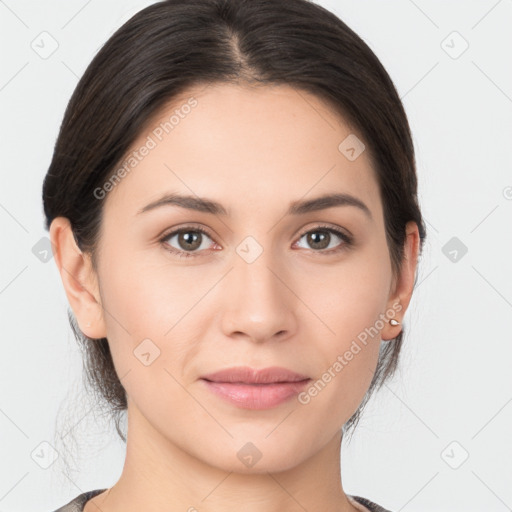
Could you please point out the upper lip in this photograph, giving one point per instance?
(248, 375)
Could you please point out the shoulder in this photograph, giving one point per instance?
(370, 505)
(78, 503)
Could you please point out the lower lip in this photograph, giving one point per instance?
(256, 396)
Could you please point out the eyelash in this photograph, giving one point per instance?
(183, 254)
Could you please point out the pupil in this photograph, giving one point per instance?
(189, 237)
(321, 239)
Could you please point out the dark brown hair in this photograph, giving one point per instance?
(175, 44)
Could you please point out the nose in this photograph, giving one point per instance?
(259, 304)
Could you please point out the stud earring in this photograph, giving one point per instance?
(88, 324)
(394, 322)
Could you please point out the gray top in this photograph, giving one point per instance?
(78, 504)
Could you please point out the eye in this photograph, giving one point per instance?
(188, 238)
(321, 237)
(191, 240)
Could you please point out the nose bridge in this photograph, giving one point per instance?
(259, 304)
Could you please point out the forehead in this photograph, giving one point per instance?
(247, 147)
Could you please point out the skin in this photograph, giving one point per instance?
(255, 150)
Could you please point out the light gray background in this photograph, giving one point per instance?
(453, 395)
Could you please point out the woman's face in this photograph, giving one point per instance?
(263, 287)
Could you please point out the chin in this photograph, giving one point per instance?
(254, 457)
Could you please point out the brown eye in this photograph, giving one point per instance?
(188, 240)
(318, 239)
(321, 237)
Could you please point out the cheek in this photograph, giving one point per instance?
(153, 348)
(127, 313)
(350, 296)
(143, 298)
(149, 345)
(150, 311)
(350, 303)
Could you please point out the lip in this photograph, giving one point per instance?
(248, 375)
(249, 388)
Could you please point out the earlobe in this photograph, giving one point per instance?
(78, 278)
(404, 283)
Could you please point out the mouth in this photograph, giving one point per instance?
(248, 375)
(248, 388)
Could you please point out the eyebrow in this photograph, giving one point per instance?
(300, 207)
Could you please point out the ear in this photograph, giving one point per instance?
(403, 284)
(79, 279)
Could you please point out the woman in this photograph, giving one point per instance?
(232, 204)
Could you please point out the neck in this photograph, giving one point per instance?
(160, 476)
